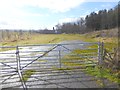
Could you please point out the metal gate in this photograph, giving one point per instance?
(49, 65)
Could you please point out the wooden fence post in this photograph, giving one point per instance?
(100, 58)
(118, 57)
(102, 52)
(99, 53)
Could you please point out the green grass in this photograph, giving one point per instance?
(80, 55)
(83, 51)
(55, 68)
(42, 39)
(27, 74)
(102, 73)
(7, 49)
(89, 64)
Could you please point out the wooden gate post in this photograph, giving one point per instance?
(100, 58)
(100, 52)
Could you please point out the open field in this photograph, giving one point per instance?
(109, 37)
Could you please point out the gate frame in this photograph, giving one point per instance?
(19, 69)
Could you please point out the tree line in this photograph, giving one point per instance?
(104, 19)
(14, 35)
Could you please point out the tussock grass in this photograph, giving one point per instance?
(102, 73)
(27, 74)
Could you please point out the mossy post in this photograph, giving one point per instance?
(118, 57)
(100, 52)
(100, 58)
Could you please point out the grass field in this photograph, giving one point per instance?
(110, 42)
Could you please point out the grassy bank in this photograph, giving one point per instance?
(109, 37)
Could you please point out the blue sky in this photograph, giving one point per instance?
(40, 14)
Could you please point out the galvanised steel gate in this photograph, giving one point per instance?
(49, 65)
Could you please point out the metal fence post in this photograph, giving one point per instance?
(19, 69)
(59, 50)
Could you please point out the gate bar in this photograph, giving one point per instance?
(19, 69)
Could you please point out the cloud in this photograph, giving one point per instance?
(12, 14)
(54, 5)
(101, 0)
(106, 6)
(65, 20)
(13, 24)
(3, 23)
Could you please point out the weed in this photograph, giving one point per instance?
(27, 74)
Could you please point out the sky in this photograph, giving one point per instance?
(41, 14)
